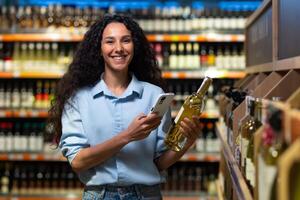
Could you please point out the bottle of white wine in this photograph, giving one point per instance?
(193, 105)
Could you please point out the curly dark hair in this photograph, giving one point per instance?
(88, 65)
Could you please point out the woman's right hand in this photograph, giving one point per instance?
(142, 126)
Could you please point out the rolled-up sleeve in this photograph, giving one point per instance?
(161, 134)
(73, 136)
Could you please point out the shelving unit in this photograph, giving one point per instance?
(272, 70)
(241, 188)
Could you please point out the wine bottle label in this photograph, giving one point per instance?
(40, 143)
(266, 177)
(2, 143)
(32, 141)
(17, 143)
(2, 99)
(9, 143)
(244, 148)
(23, 143)
(179, 115)
(250, 171)
(200, 145)
(209, 145)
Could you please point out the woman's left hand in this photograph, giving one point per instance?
(191, 129)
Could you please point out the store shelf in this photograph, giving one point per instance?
(213, 73)
(189, 156)
(209, 37)
(240, 186)
(45, 75)
(267, 67)
(200, 157)
(40, 37)
(78, 198)
(61, 37)
(42, 197)
(4, 113)
(184, 74)
(31, 157)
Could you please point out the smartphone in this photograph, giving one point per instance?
(162, 103)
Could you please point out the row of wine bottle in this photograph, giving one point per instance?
(58, 178)
(55, 57)
(186, 177)
(157, 19)
(260, 172)
(31, 137)
(195, 56)
(36, 57)
(22, 137)
(27, 95)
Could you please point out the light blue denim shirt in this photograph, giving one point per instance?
(95, 115)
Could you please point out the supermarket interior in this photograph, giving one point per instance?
(248, 147)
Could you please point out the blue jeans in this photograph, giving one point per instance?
(134, 192)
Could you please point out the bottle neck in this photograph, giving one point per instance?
(258, 111)
(204, 87)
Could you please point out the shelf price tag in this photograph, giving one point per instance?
(175, 38)
(193, 38)
(34, 113)
(22, 113)
(159, 38)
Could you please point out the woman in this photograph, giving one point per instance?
(101, 114)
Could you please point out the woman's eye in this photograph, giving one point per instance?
(109, 41)
(127, 40)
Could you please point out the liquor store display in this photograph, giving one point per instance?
(37, 43)
(259, 127)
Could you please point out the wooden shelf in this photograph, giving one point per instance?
(289, 83)
(276, 65)
(258, 12)
(61, 37)
(240, 187)
(267, 67)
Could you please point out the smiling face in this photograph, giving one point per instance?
(117, 47)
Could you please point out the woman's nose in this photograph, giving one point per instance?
(119, 46)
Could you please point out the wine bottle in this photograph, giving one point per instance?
(272, 147)
(255, 122)
(193, 105)
(244, 123)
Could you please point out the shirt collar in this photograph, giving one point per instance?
(135, 86)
